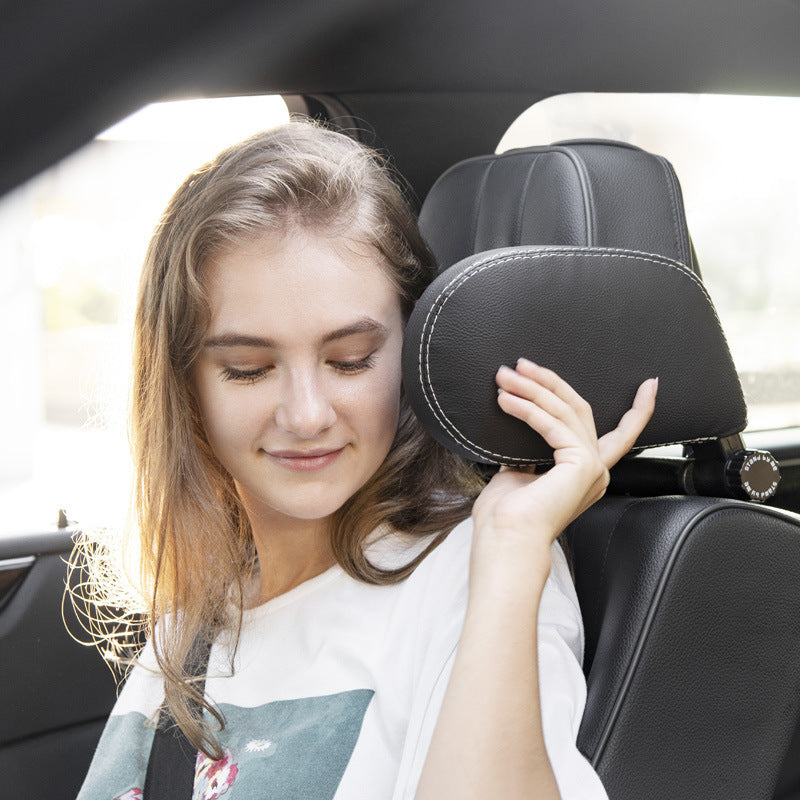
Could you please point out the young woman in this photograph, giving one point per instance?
(377, 631)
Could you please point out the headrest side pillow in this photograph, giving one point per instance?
(604, 319)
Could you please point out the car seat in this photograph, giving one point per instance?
(578, 256)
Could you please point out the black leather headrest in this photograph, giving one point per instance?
(604, 317)
(591, 193)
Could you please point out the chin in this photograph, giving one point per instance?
(310, 500)
(302, 507)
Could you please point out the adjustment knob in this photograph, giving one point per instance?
(752, 475)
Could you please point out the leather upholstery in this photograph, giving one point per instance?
(689, 603)
(692, 646)
(598, 317)
(590, 193)
(615, 304)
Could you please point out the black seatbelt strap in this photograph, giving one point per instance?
(170, 770)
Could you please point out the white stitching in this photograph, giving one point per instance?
(481, 266)
(493, 261)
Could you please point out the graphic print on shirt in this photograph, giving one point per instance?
(120, 763)
(284, 749)
(213, 778)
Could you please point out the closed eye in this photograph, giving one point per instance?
(353, 367)
(244, 375)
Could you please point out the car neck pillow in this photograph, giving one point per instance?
(605, 318)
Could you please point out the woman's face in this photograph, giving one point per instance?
(298, 380)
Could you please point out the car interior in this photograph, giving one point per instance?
(688, 571)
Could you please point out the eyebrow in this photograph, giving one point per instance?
(363, 325)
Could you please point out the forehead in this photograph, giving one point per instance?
(298, 281)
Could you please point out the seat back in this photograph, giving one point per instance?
(689, 603)
(692, 646)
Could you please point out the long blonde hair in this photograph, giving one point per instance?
(197, 550)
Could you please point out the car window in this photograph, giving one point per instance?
(739, 166)
(72, 241)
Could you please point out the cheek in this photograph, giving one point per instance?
(380, 406)
(226, 419)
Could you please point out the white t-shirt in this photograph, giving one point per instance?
(337, 685)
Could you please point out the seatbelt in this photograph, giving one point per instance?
(171, 767)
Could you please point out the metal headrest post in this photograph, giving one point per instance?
(717, 468)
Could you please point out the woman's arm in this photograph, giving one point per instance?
(488, 741)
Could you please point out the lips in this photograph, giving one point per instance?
(305, 460)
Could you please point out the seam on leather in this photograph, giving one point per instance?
(478, 202)
(680, 244)
(605, 558)
(492, 261)
(584, 179)
(589, 206)
(644, 633)
(523, 197)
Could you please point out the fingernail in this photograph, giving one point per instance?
(525, 361)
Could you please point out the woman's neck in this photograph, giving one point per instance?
(290, 552)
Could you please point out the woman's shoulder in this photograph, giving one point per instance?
(449, 561)
(446, 568)
(390, 549)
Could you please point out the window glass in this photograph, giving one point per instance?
(72, 241)
(739, 166)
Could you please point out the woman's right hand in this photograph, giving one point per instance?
(520, 514)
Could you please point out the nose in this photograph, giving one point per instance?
(304, 409)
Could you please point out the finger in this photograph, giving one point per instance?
(616, 443)
(556, 432)
(513, 381)
(531, 389)
(559, 387)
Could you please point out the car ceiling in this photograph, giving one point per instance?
(430, 81)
